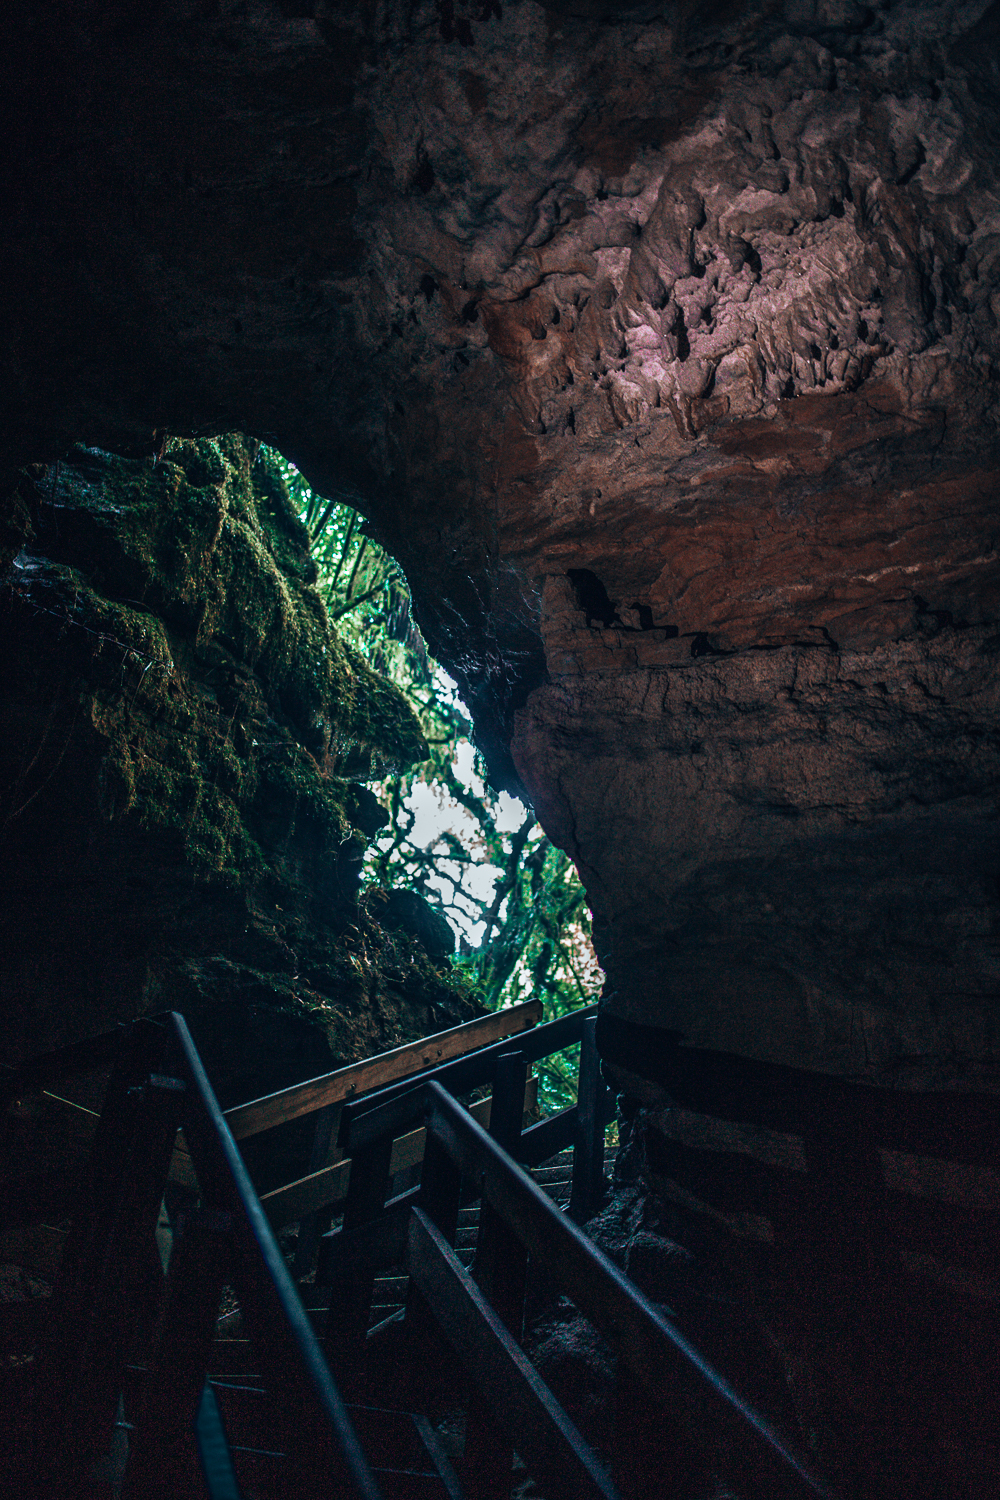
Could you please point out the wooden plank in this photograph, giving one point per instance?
(77, 1057)
(182, 1171)
(93, 1114)
(648, 1343)
(547, 1138)
(37, 1248)
(317, 1190)
(283, 1205)
(67, 1129)
(408, 1149)
(555, 1453)
(375, 1072)
(463, 1074)
(375, 1246)
(956, 1126)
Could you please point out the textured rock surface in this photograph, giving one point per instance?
(707, 1289)
(181, 826)
(888, 1383)
(793, 851)
(700, 301)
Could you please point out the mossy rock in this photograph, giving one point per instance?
(188, 739)
(227, 685)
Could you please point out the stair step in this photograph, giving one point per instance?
(391, 1288)
(551, 1174)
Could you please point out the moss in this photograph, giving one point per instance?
(210, 540)
(205, 548)
(316, 798)
(193, 681)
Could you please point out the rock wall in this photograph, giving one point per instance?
(183, 820)
(660, 342)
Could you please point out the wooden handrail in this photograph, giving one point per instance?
(85, 1056)
(644, 1340)
(374, 1072)
(463, 1073)
(328, 1185)
(106, 1305)
(264, 1285)
(649, 1348)
(547, 1439)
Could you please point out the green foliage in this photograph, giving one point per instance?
(530, 927)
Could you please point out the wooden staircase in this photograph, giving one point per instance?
(554, 1177)
(420, 1227)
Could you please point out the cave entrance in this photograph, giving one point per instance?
(451, 846)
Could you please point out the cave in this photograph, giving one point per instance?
(659, 342)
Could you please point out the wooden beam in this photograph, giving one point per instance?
(645, 1341)
(375, 1072)
(283, 1205)
(555, 1453)
(181, 1166)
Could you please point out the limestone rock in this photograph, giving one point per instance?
(406, 911)
(700, 301)
(179, 833)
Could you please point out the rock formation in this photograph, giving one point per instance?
(660, 342)
(183, 826)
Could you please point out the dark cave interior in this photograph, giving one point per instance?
(659, 342)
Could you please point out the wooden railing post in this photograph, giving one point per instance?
(501, 1272)
(440, 1198)
(100, 1299)
(351, 1297)
(440, 1188)
(163, 1461)
(588, 1145)
(305, 1247)
(501, 1261)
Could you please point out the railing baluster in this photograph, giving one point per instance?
(500, 1270)
(501, 1260)
(351, 1297)
(440, 1198)
(305, 1248)
(162, 1463)
(588, 1145)
(101, 1297)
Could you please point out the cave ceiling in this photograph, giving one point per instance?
(659, 341)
